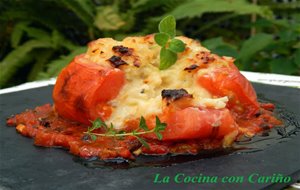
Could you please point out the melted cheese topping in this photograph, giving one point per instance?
(141, 95)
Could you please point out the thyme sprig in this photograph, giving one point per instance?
(111, 132)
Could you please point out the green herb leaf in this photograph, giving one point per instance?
(159, 125)
(144, 143)
(93, 137)
(169, 50)
(96, 124)
(176, 46)
(111, 132)
(168, 25)
(167, 58)
(134, 133)
(159, 135)
(120, 133)
(143, 124)
(161, 39)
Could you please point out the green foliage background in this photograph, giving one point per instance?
(39, 38)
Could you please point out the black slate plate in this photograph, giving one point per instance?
(23, 166)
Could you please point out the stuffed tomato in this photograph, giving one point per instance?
(116, 101)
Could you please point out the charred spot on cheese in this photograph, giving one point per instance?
(175, 94)
(122, 50)
(116, 61)
(207, 60)
(206, 57)
(191, 67)
(136, 63)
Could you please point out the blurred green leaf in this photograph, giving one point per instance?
(87, 6)
(32, 32)
(218, 46)
(226, 50)
(253, 45)
(82, 9)
(108, 18)
(282, 66)
(69, 24)
(213, 43)
(15, 59)
(42, 57)
(194, 8)
(297, 58)
(18, 33)
(55, 66)
(38, 34)
(59, 40)
(287, 35)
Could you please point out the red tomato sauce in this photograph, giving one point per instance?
(50, 130)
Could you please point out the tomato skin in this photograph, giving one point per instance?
(194, 123)
(83, 88)
(228, 81)
(155, 149)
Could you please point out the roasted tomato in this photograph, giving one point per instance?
(228, 81)
(187, 122)
(83, 88)
(193, 123)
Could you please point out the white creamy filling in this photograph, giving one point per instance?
(138, 99)
(141, 94)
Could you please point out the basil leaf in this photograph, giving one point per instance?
(168, 25)
(167, 58)
(143, 124)
(144, 143)
(177, 46)
(161, 39)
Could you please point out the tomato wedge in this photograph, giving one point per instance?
(228, 81)
(195, 123)
(83, 88)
